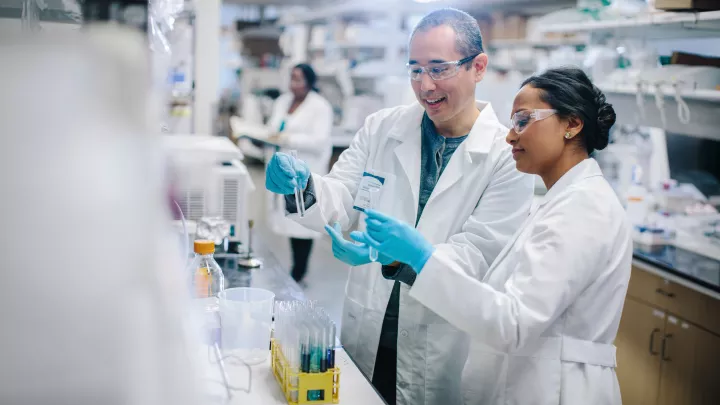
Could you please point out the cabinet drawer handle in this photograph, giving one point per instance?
(652, 342)
(665, 293)
(662, 349)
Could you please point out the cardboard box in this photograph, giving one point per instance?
(508, 27)
(674, 5)
(498, 26)
(515, 27)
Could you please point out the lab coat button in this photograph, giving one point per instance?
(402, 384)
(404, 333)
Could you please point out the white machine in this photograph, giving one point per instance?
(211, 180)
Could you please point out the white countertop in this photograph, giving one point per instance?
(354, 387)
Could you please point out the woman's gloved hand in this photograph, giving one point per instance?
(284, 173)
(395, 239)
(348, 252)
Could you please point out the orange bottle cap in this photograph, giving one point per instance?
(204, 247)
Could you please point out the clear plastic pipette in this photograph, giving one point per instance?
(373, 192)
(299, 198)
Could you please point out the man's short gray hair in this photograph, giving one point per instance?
(468, 39)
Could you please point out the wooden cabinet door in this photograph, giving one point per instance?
(678, 363)
(691, 366)
(706, 382)
(638, 352)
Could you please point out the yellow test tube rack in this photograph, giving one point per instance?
(296, 385)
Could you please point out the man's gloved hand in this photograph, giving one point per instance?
(284, 173)
(348, 252)
(395, 239)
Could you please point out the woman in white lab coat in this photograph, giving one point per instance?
(303, 120)
(544, 316)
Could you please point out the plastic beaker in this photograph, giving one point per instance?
(246, 316)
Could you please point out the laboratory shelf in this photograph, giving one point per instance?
(704, 106)
(651, 25)
(703, 95)
(544, 43)
(379, 43)
(361, 10)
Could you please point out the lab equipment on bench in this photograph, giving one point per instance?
(250, 261)
(210, 180)
(299, 198)
(303, 354)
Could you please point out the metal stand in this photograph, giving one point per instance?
(249, 261)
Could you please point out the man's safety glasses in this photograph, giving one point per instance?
(438, 71)
(522, 119)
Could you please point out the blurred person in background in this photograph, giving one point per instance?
(303, 120)
(92, 286)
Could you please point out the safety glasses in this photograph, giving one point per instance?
(522, 119)
(438, 71)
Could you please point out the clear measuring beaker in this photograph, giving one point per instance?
(246, 317)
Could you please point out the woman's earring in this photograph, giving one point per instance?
(567, 135)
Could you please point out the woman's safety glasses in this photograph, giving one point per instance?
(437, 71)
(522, 119)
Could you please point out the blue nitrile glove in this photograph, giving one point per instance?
(397, 240)
(284, 173)
(348, 252)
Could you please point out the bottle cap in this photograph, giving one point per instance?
(204, 247)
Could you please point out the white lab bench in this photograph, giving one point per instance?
(355, 389)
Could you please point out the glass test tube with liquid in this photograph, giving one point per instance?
(374, 194)
(299, 197)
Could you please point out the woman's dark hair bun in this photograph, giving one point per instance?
(605, 120)
(571, 93)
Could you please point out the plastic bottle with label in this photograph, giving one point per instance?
(207, 276)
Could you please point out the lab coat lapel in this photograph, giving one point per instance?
(407, 131)
(299, 118)
(511, 243)
(585, 169)
(471, 152)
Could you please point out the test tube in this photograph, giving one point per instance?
(299, 197)
(324, 347)
(374, 193)
(305, 351)
(315, 350)
(331, 351)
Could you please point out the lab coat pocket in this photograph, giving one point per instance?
(350, 327)
(584, 381)
(533, 381)
(446, 349)
(484, 376)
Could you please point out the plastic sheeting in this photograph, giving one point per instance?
(169, 35)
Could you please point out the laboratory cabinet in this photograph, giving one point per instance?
(668, 344)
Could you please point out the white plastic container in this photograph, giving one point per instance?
(246, 316)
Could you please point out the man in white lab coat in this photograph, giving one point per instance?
(440, 164)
